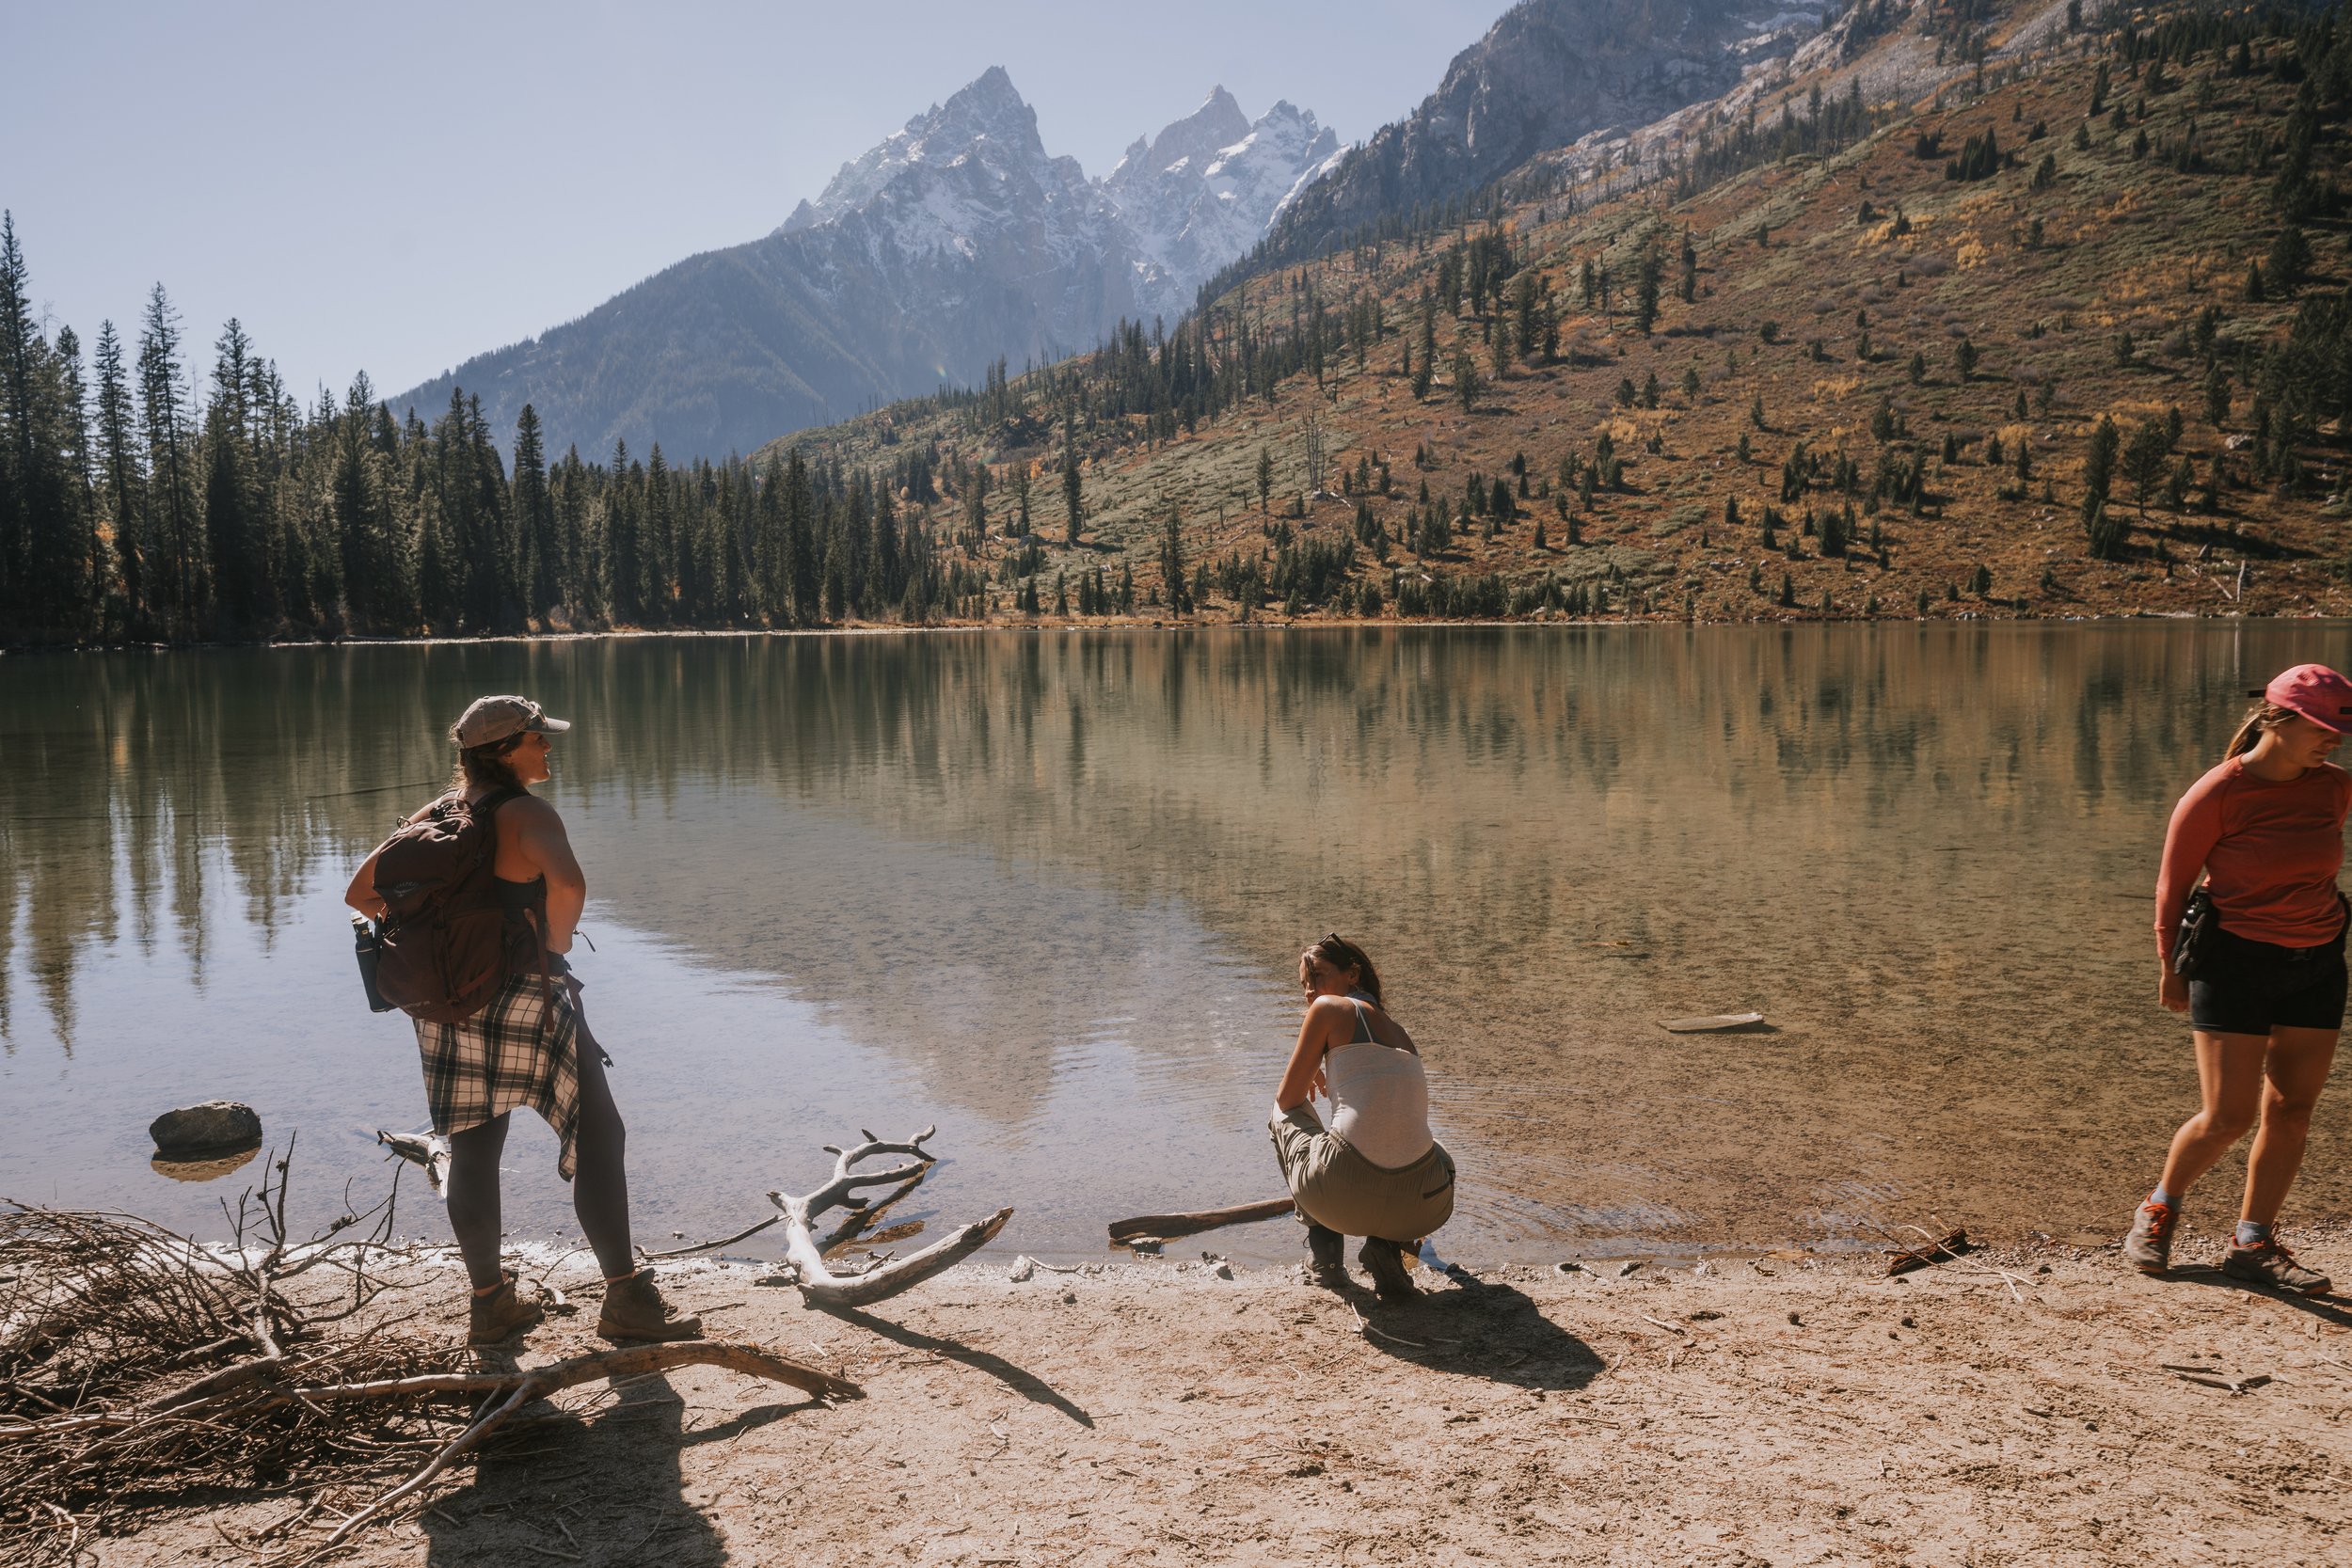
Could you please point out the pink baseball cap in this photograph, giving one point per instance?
(2315, 692)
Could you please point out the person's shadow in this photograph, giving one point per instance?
(604, 1490)
(2332, 1309)
(1478, 1329)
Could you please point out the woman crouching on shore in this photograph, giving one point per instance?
(1375, 1172)
(2266, 991)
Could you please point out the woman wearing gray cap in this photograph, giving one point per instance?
(524, 1047)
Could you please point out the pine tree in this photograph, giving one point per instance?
(802, 563)
(1073, 497)
(379, 569)
(1265, 475)
(1645, 292)
(624, 546)
(535, 517)
(173, 522)
(1425, 362)
(1173, 586)
(78, 563)
(657, 560)
(122, 476)
(2106, 533)
(2144, 462)
(21, 459)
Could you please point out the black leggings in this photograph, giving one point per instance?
(599, 1179)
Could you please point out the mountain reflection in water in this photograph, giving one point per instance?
(1047, 890)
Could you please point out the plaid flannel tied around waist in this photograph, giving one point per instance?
(501, 1059)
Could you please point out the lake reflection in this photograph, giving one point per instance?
(1047, 890)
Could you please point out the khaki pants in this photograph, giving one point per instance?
(1340, 1190)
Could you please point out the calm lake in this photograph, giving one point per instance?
(1048, 891)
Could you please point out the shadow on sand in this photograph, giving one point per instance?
(1486, 1329)
(604, 1489)
(2328, 1309)
(1026, 1384)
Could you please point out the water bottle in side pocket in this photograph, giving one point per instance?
(367, 948)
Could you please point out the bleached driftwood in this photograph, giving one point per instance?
(817, 1283)
(429, 1149)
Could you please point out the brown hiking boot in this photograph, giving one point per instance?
(501, 1314)
(2272, 1264)
(2149, 1247)
(1385, 1261)
(634, 1310)
(1326, 1256)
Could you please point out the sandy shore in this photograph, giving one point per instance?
(2014, 1407)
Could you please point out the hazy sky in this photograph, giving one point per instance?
(395, 188)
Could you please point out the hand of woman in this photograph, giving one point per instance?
(2173, 991)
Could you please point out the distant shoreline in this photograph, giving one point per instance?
(1335, 624)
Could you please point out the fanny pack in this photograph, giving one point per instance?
(2193, 942)
(2201, 938)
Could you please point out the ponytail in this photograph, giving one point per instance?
(2260, 720)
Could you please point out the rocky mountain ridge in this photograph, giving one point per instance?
(1548, 73)
(954, 244)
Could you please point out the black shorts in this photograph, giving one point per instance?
(2244, 987)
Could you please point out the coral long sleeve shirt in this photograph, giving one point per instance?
(2270, 852)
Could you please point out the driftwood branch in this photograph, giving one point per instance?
(1165, 1226)
(429, 1149)
(744, 1234)
(818, 1285)
(1952, 1244)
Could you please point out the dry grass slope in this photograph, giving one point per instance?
(1942, 349)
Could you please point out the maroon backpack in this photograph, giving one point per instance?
(449, 943)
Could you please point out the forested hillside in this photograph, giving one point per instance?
(1966, 311)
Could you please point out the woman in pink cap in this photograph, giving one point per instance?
(2265, 990)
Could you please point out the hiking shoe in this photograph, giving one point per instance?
(2149, 1247)
(634, 1310)
(2272, 1264)
(501, 1314)
(1385, 1261)
(1327, 1254)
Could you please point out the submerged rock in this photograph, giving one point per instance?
(195, 1132)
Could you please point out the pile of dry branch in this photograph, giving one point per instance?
(140, 1369)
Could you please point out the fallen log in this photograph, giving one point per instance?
(1167, 1227)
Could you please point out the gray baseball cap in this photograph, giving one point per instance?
(492, 718)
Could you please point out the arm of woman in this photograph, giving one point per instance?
(1316, 1036)
(360, 895)
(539, 834)
(2195, 829)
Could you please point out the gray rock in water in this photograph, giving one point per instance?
(211, 1127)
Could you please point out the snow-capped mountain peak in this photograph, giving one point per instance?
(1205, 190)
(970, 176)
(1194, 139)
(986, 121)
